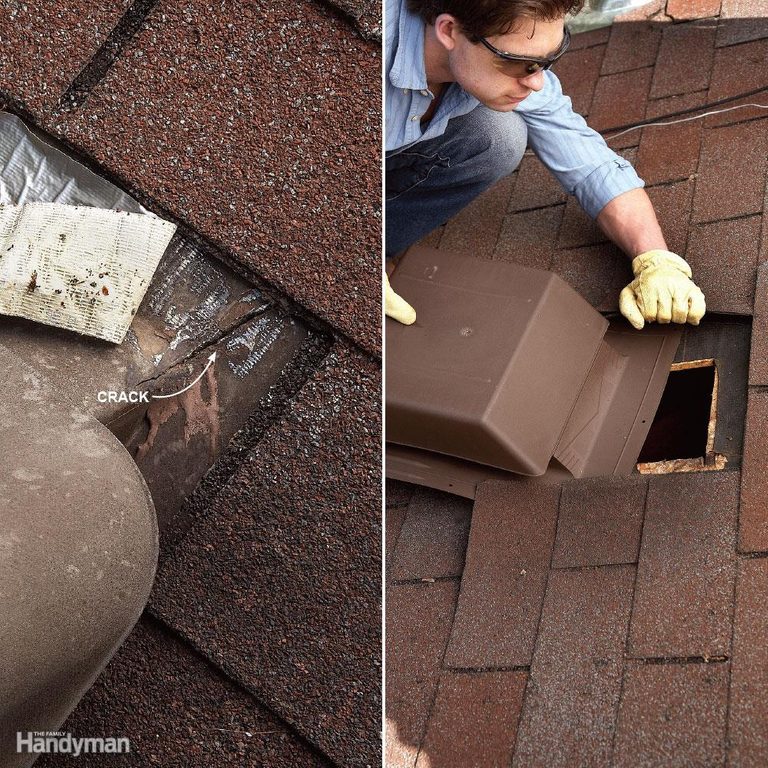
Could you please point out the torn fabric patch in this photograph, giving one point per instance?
(75, 267)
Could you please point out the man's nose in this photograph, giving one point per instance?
(534, 81)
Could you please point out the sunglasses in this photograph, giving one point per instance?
(523, 66)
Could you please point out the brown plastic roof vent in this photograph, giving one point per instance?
(494, 364)
(509, 370)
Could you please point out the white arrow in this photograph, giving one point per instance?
(211, 361)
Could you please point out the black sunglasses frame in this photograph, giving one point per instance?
(535, 64)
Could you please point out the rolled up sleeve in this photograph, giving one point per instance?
(576, 154)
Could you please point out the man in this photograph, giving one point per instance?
(467, 85)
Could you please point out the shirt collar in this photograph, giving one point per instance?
(407, 69)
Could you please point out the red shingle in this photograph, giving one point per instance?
(394, 519)
(658, 109)
(672, 204)
(510, 544)
(672, 715)
(723, 257)
(597, 272)
(590, 38)
(600, 522)
(748, 745)
(535, 187)
(753, 514)
(529, 237)
(739, 69)
(291, 596)
(433, 537)
(45, 46)
(686, 569)
(669, 153)
(475, 229)
(736, 111)
(418, 624)
(397, 494)
(632, 46)
(578, 71)
(474, 720)
(685, 60)
(685, 10)
(252, 153)
(758, 357)
(179, 710)
(575, 679)
(732, 171)
(620, 99)
(577, 228)
(741, 20)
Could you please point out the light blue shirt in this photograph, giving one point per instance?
(576, 154)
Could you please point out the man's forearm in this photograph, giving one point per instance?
(630, 221)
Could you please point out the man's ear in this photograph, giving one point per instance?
(447, 29)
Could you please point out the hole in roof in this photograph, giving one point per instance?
(681, 437)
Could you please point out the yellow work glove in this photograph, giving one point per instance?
(396, 306)
(662, 291)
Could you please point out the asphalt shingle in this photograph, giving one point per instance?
(669, 153)
(529, 237)
(684, 61)
(285, 565)
(732, 172)
(684, 10)
(273, 155)
(486, 214)
(620, 99)
(723, 256)
(671, 715)
(418, 621)
(597, 272)
(758, 357)
(753, 520)
(748, 712)
(686, 571)
(535, 187)
(433, 536)
(510, 542)
(600, 522)
(631, 46)
(574, 685)
(177, 709)
(578, 72)
(45, 45)
(464, 730)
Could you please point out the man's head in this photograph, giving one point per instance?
(479, 44)
(486, 18)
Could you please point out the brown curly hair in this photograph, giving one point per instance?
(483, 18)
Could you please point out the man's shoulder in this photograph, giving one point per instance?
(544, 99)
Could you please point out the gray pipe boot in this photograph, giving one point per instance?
(78, 550)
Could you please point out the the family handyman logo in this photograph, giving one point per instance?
(47, 742)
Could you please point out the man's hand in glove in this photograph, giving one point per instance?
(396, 306)
(662, 291)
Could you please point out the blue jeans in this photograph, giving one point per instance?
(431, 181)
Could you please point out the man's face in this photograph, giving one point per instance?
(491, 80)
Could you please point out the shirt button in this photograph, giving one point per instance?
(405, 90)
(424, 93)
(414, 118)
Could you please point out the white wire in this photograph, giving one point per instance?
(685, 119)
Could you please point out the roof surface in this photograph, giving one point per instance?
(257, 130)
(611, 621)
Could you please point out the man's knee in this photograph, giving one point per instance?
(499, 140)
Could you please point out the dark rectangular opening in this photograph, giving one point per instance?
(684, 424)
